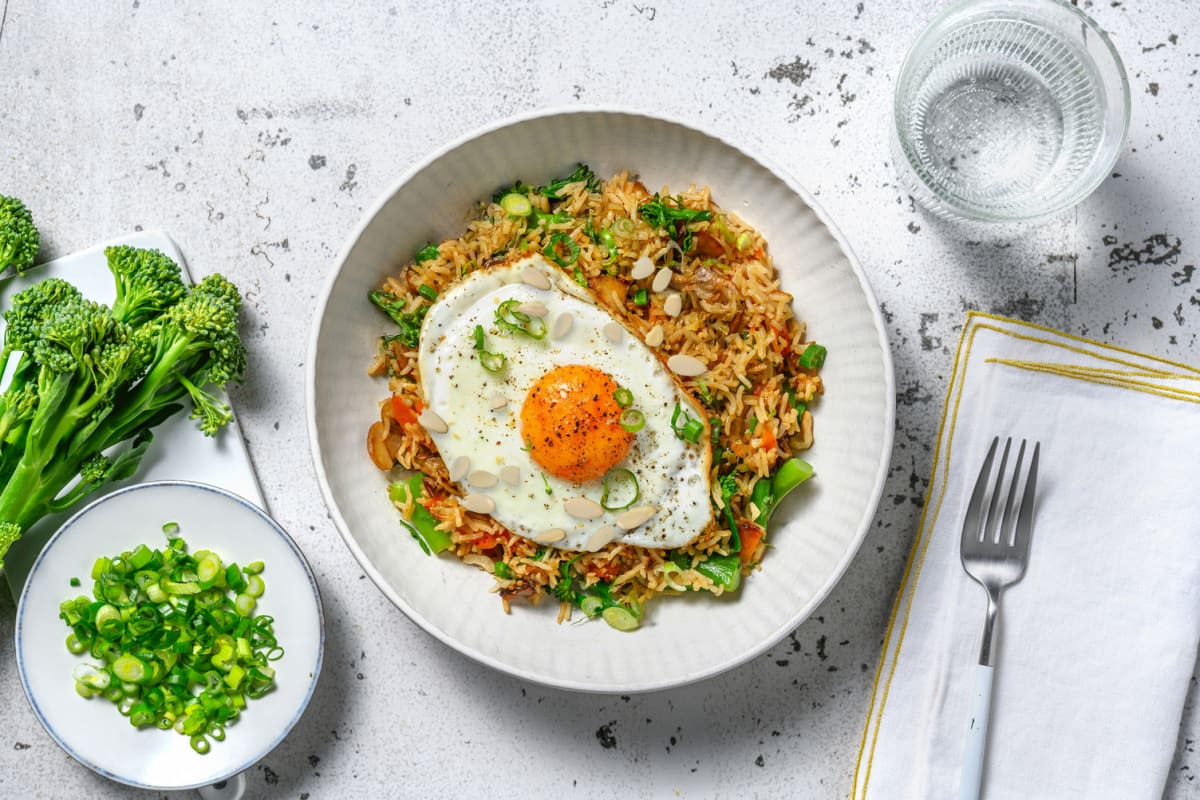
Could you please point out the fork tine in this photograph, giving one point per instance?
(991, 528)
(1025, 515)
(1008, 530)
(971, 524)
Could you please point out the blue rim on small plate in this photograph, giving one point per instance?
(92, 732)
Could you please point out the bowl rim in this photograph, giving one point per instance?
(188, 486)
(367, 218)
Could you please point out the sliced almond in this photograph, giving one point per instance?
(432, 422)
(533, 309)
(642, 268)
(535, 278)
(673, 305)
(499, 401)
(686, 366)
(635, 516)
(614, 332)
(479, 503)
(510, 474)
(655, 337)
(600, 537)
(662, 280)
(550, 536)
(583, 508)
(562, 325)
(459, 468)
(482, 479)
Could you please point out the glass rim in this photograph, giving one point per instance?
(935, 27)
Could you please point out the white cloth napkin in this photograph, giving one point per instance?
(1099, 640)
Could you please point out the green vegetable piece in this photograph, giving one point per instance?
(89, 383)
(561, 249)
(723, 571)
(623, 396)
(632, 420)
(641, 297)
(670, 215)
(422, 526)
(427, 253)
(631, 493)
(685, 427)
(428, 292)
(511, 319)
(409, 321)
(492, 362)
(767, 493)
(19, 237)
(620, 618)
(516, 204)
(502, 570)
(553, 190)
(813, 356)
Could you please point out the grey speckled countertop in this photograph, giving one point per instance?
(256, 133)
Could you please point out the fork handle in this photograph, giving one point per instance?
(981, 705)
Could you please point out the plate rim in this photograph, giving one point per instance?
(350, 241)
(190, 486)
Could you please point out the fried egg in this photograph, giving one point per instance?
(533, 442)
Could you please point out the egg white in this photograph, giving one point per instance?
(673, 475)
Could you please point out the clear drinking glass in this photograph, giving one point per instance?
(1009, 110)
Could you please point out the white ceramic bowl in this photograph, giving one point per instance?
(92, 731)
(682, 639)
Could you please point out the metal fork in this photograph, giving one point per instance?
(994, 550)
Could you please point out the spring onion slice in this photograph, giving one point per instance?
(687, 429)
(620, 618)
(632, 420)
(512, 319)
(492, 362)
(618, 476)
(516, 204)
(623, 396)
(175, 649)
(813, 356)
(555, 246)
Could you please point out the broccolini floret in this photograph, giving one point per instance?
(90, 382)
(19, 237)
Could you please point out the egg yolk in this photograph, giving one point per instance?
(571, 423)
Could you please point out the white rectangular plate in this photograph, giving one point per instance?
(179, 450)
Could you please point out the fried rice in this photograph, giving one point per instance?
(758, 391)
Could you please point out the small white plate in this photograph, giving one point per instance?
(92, 731)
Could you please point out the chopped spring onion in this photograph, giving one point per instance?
(744, 240)
(555, 246)
(619, 476)
(166, 645)
(546, 483)
(492, 362)
(624, 397)
(641, 297)
(609, 243)
(620, 618)
(510, 318)
(686, 428)
(502, 570)
(427, 253)
(516, 204)
(813, 356)
(591, 605)
(170, 528)
(580, 278)
(624, 227)
(428, 292)
(632, 420)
